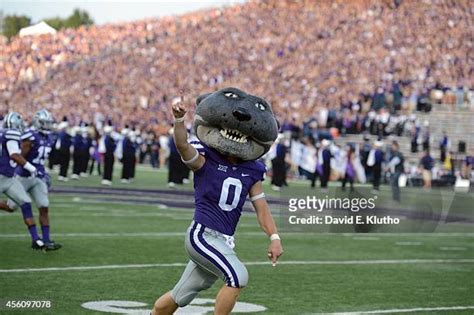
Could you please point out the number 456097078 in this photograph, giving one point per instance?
(18, 304)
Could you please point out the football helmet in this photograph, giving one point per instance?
(13, 120)
(43, 121)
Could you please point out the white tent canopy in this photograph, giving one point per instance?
(38, 29)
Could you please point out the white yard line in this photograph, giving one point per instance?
(452, 248)
(240, 235)
(366, 238)
(116, 213)
(94, 235)
(109, 215)
(254, 263)
(409, 243)
(94, 208)
(406, 310)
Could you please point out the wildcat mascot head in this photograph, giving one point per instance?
(235, 123)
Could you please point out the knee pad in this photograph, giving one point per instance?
(26, 211)
(22, 200)
(184, 294)
(184, 299)
(43, 203)
(242, 276)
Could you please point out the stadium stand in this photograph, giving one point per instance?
(320, 59)
(353, 60)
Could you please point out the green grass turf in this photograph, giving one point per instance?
(89, 230)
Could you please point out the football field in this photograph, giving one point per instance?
(123, 247)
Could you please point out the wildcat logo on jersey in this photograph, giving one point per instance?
(222, 168)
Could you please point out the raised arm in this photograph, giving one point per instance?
(265, 219)
(189, 154)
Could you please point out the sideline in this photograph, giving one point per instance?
(254, 263)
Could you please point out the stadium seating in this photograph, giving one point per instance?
(457, 124)
(317, 60)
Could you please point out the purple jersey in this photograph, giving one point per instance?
(7, 165)
(220, 189)
(39, 152)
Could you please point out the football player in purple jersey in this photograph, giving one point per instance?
(10, 158)
(234, 129)
(36, 145)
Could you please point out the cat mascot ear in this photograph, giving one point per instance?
(201, 97)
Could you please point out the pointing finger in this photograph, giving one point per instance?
(274, 260)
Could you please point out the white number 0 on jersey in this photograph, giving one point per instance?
(230, 181)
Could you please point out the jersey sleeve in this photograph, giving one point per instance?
(199, 147)
(205, 151)
(257, 171)
(13, 147)
(260, 171)
(13, 135)
(28, 135)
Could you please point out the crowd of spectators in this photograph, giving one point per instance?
(354, 60)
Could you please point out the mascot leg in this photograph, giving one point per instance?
(165, 305)
(226, 299)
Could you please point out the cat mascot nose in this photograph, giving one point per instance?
(241, 114)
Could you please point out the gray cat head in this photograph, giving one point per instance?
(235, 123)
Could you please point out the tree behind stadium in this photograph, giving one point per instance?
(13, 23)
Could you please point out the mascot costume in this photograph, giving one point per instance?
(234, 130)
